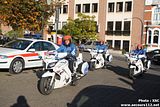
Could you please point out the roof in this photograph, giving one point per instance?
(32, 39)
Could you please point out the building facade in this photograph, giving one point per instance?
(119, 21)
(124, 21)
(152, 24)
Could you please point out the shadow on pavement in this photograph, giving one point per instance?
(4, 70)
(21, 102)
(119, 70)
(112, 96)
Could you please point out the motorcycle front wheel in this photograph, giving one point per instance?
(45, 85)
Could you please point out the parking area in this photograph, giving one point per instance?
(109, 87)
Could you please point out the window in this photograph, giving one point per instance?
(118, 28)
(37, 46)
(149, 37)
(86, 8)
(65, 8)
(110, 7)
(18, 44)
(97, 26)
(117, 44)
(126, 45)
(64, 23)
(128, 6)
(109, 28)
(126, 28)
(78, 8)
(155, 38)
(119, 7)
(47, 46)
(94, 7)
(156, 16)
(57, 26)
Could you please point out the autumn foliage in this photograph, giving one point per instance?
(24, 14)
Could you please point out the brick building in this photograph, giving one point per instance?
(119, 21)
(152, 24)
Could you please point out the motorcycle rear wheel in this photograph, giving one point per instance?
(44, 86)
(131, 72)
(106, 63)
(92, 66)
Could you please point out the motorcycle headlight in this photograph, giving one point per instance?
(50, 65)
(3, 56)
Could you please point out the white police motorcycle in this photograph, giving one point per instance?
(135, 64)
(98, 60)
(58, 74)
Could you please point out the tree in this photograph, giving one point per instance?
(26, 14)
(84, 27)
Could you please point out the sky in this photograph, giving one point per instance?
(148, 2)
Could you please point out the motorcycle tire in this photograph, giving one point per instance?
(131, 72)
(44, 85)
(92, 66)
(105, 65)
(74, 83)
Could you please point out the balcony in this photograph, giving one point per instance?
(118, 33)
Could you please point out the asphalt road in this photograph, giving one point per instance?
(100, 88)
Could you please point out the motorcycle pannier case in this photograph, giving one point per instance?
(108, 57)
(83, 68)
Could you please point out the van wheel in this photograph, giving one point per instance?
(16, 66)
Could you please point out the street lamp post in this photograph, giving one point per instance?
(142, 25)
(56, 19)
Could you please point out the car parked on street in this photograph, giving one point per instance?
(24, 53)
(154, 55)
(88, 45)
